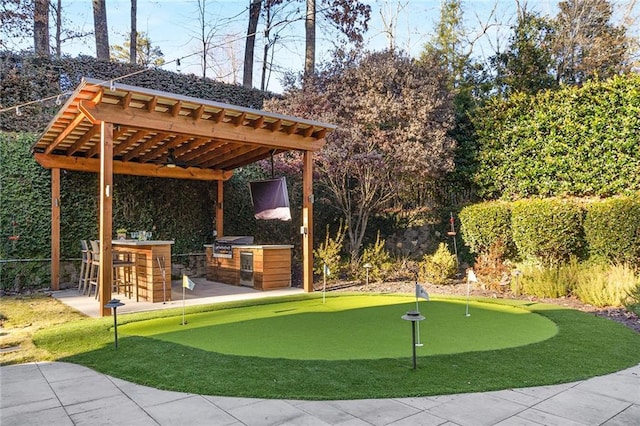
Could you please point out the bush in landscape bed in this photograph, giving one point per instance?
(379, 260)
(602, 284)
(548, 281)
(438, 267)
(547, 231)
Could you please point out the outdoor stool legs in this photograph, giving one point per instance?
(85, 266)
(123, 272)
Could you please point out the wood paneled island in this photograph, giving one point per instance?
(151, 257)
(263, 267)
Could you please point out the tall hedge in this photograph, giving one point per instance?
(485, 224)
(548, 231)
(575, 141)
(612, 229)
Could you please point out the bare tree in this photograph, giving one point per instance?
(101, 30)
(41, 27)
(224, 59)
(586, 43)
(390, 21)
(206, 33)
(16, 18)
(133, 39)
(310, 39)
(58, 15)
(250, 42)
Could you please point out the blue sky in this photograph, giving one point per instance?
(173, 25)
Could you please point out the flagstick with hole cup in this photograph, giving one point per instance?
(186, 283)
(420, 292)
(324, 282)
(164, 279)
(418, 323)
(471, 277)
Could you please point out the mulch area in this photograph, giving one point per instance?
(620, 315)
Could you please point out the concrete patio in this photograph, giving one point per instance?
(204, 292)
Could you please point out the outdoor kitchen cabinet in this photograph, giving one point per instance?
(263, 267)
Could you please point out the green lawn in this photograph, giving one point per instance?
(286, 347)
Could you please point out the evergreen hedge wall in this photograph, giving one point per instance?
(575, 141)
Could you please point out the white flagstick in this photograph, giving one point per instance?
(183, 302)
(418, 325)
(419, 293)
(164, 279)
(471, 276)
(324, 286)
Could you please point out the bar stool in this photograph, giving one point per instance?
(94, 267)
(122, 264)
(83, 280)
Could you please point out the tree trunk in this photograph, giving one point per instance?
(41, 28)
(254, 15)
(59, 29)
(310, 38)
(133, 43)
(101, 30)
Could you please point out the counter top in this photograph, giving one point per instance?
(257, 246)
(141, 243)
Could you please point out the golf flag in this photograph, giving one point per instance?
(327, 271)
(471, 276)
(420, 292)
(187, 283)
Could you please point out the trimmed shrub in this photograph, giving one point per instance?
(485, 224)
(612, 229)
(438, 267)
(547, 231)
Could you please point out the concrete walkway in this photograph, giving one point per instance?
(59, 393)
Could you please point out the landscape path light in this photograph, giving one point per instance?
(367, 266)
(517, 273)
(114, 304)
(413, 316)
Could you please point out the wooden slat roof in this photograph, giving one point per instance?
(152, 128)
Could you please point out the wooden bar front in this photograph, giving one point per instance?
(149, 257)
(271, 266)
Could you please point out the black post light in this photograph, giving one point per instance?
(114, 304)
(413, 316)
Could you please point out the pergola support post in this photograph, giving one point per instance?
(220, 210)
(106, 216)
(307, 222)
(55, 229)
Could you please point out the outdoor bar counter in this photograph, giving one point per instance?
(152, 259)
(263, 267)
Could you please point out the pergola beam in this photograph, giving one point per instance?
(92, 165)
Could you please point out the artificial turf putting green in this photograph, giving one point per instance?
(352, 327)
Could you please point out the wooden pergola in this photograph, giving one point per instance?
(111, 128)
